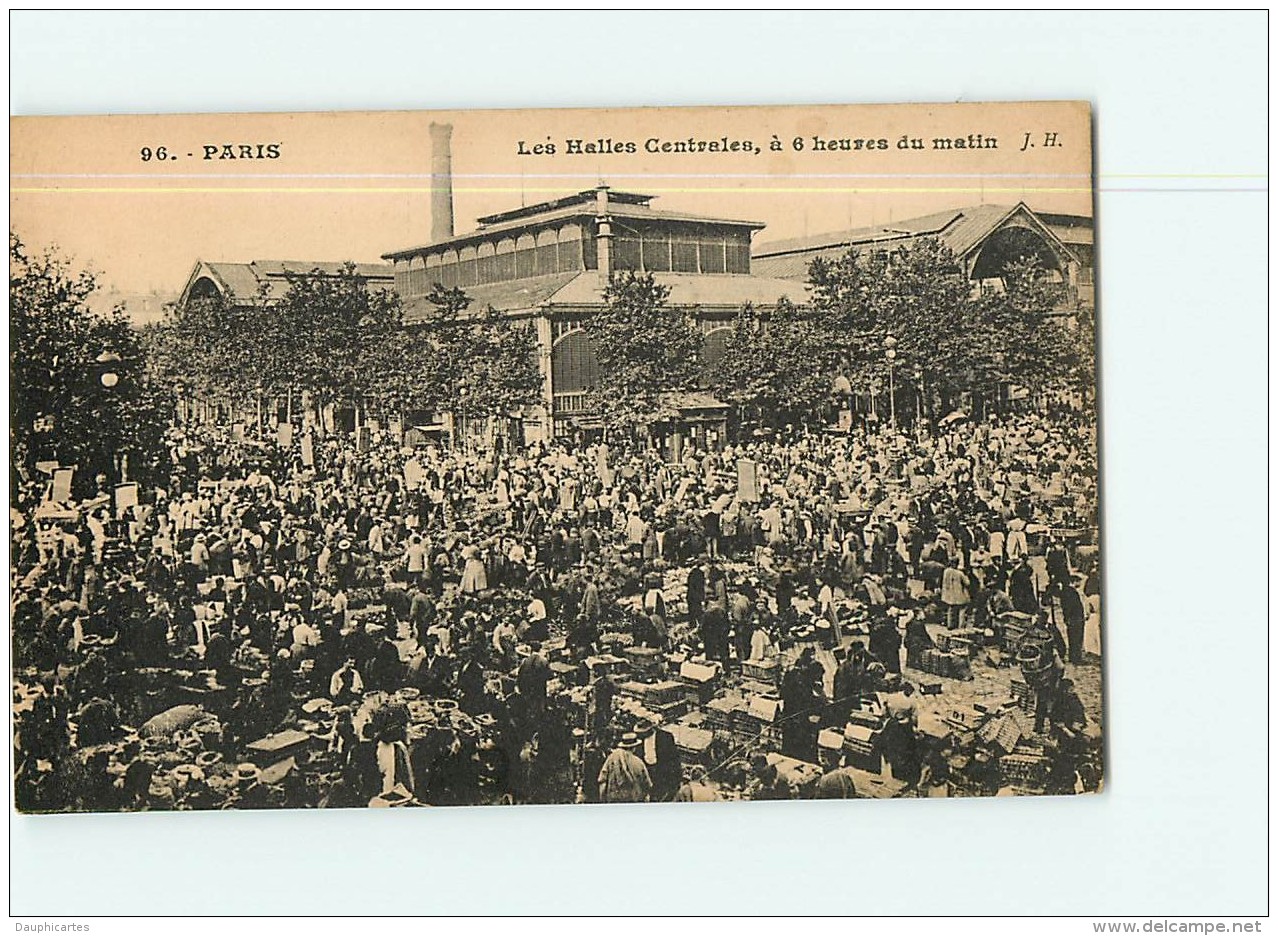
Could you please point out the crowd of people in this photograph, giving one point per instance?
(443, 627)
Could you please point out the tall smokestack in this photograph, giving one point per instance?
(441, 182)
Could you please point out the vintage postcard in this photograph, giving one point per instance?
(579, 456)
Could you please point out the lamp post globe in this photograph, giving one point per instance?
(107, 362)
(889, 344)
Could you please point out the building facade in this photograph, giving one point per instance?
(549, 263)
(984, 238)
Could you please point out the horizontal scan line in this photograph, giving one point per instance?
(636, 175)
(424, 190)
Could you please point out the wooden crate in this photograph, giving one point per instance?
(1029, 770)
(1025, 696)
(762, 670)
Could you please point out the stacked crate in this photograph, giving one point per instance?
(699, 681)
(1025, 696)
(941, 663)
(719, 713)
(1025, 768)
(758, 719)
(696, 745)
(645, 661)
(863, 747)
(765, 671)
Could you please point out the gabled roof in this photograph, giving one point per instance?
(242, 282)
(962, 230)
(585, 289)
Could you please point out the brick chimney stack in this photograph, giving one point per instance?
(441, 182)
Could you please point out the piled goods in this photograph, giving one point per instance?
(719, 712)
(1024, 696)
(766, 671)
(829, 747)
(758, 719)
(1024, 769)
(801, 775)
(644, 661)
(696, 745)
(939, 663)
(278, 746)
(700, 679)
(1003, 731)
(863, 747)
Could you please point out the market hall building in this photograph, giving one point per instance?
(984, 239)
(257, 285)
(548, 264)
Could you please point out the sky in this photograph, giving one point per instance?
(352, 186)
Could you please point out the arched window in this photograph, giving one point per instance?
(504, 262)
(547, 253)
(1008, 245)
(570, 253)
(467, 267)
(486, 263)
(417, 280)
(715, 346)
(573, 364)
(525, 256)
(204, 288)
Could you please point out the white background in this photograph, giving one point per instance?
(1182, 826)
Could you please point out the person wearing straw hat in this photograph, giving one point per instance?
(623, 778)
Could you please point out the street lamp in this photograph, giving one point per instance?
(107, 363)
(108, 367)
(889, 343)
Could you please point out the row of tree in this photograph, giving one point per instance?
(331, 340)
(79, 390)
(913, 313)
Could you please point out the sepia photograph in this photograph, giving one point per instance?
(650, 455)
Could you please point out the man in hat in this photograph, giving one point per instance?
(1074, 610)
(955, 593)
(1057, 558)
(346, 685)
(661, 757)
(200, 556)
(885, 641)
(1022, 588)
(900, 743)
(623, 777)
(740, 615)
(849, 681)
(533, 675)
(696, 594)
(505, 636)
(799, 700)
